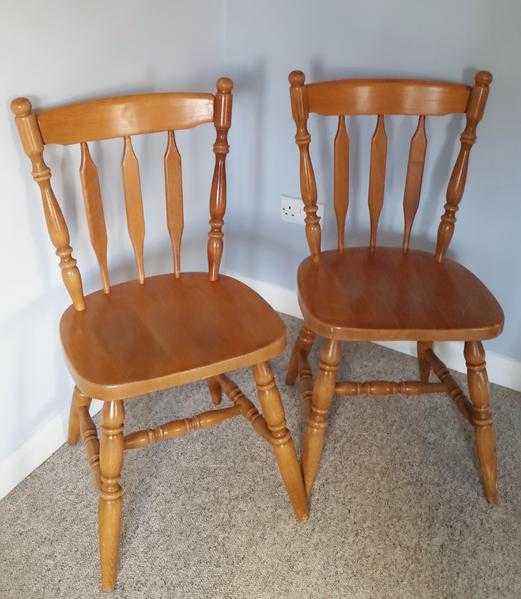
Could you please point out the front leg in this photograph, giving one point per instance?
(485, 435)
(281, 442)
(302, 345)
(110, 502)
(323, 393)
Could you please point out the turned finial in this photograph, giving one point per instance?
(296, 78)
(483, 78)
(224, 85)
(21, 107)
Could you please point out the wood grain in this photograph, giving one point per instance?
(341, 179)
(485, 434)
(134, 205)
(167, 332)
(94, 211)
(385, 293)
(110, 500)
(174, 200)
(222, 122)
(458, 178)
(418, 298)
(386, 97)
(322, 397)
(377, 176)
(124, 116)
(308, 186)
(32, 144)
(413, 180)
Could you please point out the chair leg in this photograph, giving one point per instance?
(78, 399)
(110, 502)
(424, 365)
(323, 393)
(485, 435)
(283, 448)
(304, 343)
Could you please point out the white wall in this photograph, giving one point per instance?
(55, 52)
(58, 51)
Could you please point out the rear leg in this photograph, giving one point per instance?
(303, 344)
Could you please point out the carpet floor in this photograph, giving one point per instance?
(397, 509)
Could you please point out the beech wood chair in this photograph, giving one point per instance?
(160, 331)
(388, 293)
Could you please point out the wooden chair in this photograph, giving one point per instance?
(160, 331)
(386, 293)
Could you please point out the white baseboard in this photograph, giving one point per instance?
(502, 370)
(38, 448)
(46, 440)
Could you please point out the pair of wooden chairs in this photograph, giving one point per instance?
(156, 332)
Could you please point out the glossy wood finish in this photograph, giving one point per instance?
(142, 338)
(383, 293)
(413, 180)
(302, 346)
(453, 389)
(388, 388)
(341, 179)
(222, 122)
(377, 176)
(282, 443)
(110, 501)
(174, 200)
(124, 116)
(364, 295)
(134, 205)
(94, 212)
(308, 186)
(152, 333)
(179, 428)
(485, 434)
(323, 393)
(386, 96)
(456, 187)
(32, 143)
(423, 364)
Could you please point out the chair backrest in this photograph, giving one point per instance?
(381, 97)
(124, 117)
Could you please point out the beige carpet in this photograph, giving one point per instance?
(397, 510)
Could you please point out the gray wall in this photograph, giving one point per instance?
(59, 51)
(442, 39)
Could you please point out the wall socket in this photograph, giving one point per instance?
(292, 209)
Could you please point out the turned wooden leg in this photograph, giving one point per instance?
(110, 502)
(215, 391)
(323, 393)
(304, 343)
(423, 364)
(485, 435)
(281, 442)
(78, 398)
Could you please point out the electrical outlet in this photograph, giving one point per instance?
(292, 209)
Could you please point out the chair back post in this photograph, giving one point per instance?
(32, 143)
(308, 186)
(456, 187)
(222, 120)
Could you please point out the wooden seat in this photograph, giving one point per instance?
(126, 343)
(379, 293)
(154, 332)
(384, 294)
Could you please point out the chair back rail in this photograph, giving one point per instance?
(123, 117)
(381, 98)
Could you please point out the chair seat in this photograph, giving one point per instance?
(387, 295)
(168, 331)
